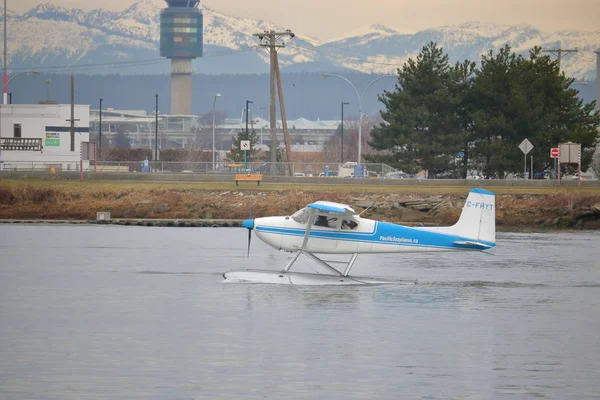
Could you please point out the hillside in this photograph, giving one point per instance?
(101, 41)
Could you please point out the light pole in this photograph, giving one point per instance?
(213, 130)
(263, 108)
(247, 102)
(100, 133)
(359, 96)
(6, 82)
(156, 130)
(247, 135)
(14, 76)
(5, 76)
(342, 146)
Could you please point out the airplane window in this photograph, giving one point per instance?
(321, 221)
(349, 224)
(301, 216)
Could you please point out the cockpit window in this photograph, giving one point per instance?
(349, 224)
(327, 221)
(301, 216)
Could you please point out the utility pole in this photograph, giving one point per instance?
(559, 53)
(72, 120)
(100, 133)
(342, 125)
(597, 79)
(156, 129)
(286, 137)
(269, 40)
(5, 79)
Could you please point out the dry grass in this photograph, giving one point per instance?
(74, 200)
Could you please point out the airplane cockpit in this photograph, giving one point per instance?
(325, 220)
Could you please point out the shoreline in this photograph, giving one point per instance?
(196, 204)
(184, 223)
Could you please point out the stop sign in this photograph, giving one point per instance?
(554, 152)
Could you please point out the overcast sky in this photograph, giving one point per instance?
(324, 19)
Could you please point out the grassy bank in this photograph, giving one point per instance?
(517, 208)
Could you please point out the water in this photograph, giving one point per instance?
(107, 312)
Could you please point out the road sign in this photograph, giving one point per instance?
(244, 145)
(554, 152)
(570, 153)
(359, 171)
(526, 146)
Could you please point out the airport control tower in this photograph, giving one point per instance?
(181, 41)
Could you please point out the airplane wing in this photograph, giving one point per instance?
(330, 207)
(324, 206)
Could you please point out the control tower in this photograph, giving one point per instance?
(181, 41)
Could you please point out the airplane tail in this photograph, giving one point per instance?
(478, 218)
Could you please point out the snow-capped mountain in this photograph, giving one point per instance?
(105, 41)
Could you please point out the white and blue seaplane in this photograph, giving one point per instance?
(325, 227)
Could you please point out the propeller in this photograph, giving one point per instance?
(249, 224)
(249, 240)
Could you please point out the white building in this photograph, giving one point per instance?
(39, 135)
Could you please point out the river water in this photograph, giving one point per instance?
(109, 312)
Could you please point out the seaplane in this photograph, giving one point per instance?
(327, 228)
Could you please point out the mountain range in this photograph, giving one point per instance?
(54, 39)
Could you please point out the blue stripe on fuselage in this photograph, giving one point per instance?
(384, 233)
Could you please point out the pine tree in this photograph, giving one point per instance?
(422, 128)
(517, 98)
(236, 154)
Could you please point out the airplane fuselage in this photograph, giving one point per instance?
(284, 233)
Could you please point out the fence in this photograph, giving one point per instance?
(205, 170)
(297, 169)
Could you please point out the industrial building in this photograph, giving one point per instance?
(174, 131)
(37, 136)
(183, 131)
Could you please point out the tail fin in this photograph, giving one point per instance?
(478, 218)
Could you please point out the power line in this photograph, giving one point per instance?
(347, 58)
(120, 64)
(584, 58)
(559, 53)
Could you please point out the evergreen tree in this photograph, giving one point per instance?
(517, 98)
(422, 129)
(236, 154)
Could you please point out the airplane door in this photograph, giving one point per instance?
(321, 240)
(366, 246)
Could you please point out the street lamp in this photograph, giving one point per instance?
(342, 147)
(156, 129)
(263, 108)
(359, 96)
(100, 132)
(247, 102)
(5, 87)
(247, 134)
(213, 130)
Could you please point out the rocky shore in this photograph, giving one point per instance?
(186, 206)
